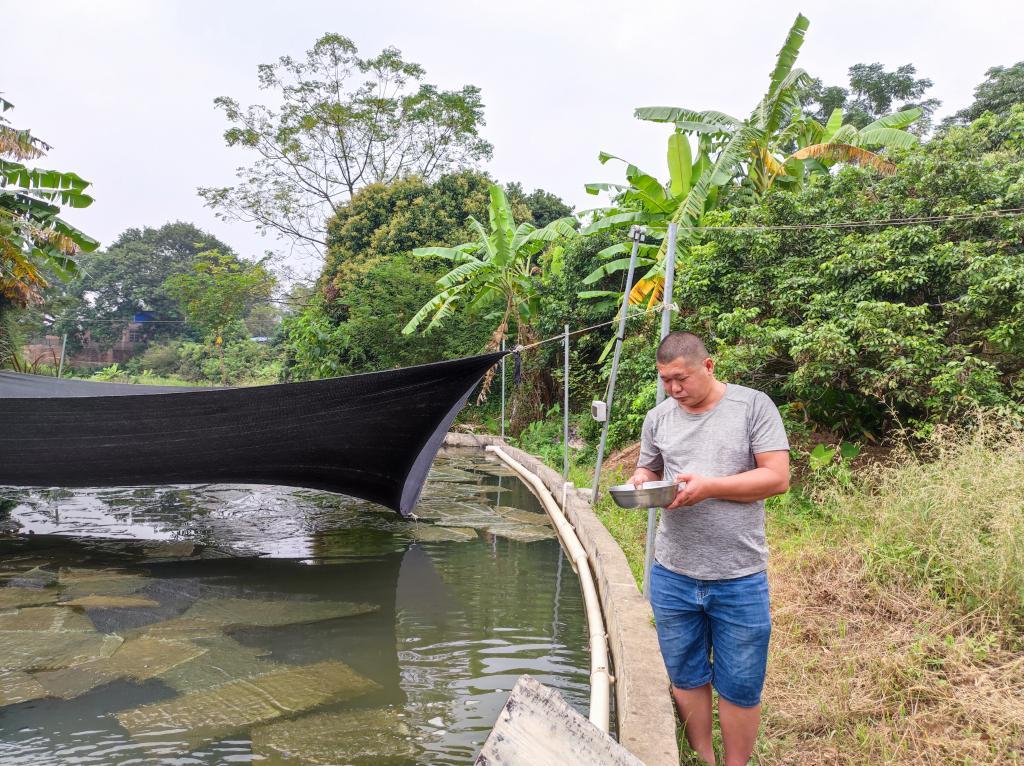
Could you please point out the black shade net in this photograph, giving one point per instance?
(371, 436)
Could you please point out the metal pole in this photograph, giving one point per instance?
(638, 237)
(666, 322)
(63, 346)
(565, 409)
(503, 392)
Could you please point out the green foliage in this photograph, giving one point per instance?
(244, 362)
(544, 437)
(493, 272)
(380, 299)
(1002, 88)
(636, 389)
(872, 92)
(35, 243)
(219, 289)
(867, 328)
(129, 277)
(345, 122)
(371, 285)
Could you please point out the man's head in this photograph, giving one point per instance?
(685, 369)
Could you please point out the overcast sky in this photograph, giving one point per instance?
(123, 90)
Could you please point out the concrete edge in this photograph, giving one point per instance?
(645, 715)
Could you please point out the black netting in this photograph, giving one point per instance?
(372, 436)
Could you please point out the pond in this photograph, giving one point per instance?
(237, 624)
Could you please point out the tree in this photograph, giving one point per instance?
(34, 240)
(497, 275)
(371, 284)
(218, 291)
(334, 134)
(129, 277)
(872, 93)
(750, 157)
(860, 327)
(1002, 88)
(544, 206)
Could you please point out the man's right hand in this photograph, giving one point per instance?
(641, 476)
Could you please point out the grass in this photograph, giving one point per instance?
(898, 607)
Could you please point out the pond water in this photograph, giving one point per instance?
(236, 624)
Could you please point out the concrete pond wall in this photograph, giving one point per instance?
(646, 720)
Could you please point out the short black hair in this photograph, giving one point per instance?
(684, 345)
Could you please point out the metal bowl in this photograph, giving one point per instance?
(652, 494)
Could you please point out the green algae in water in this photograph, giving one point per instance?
(271, 613)
(76, 583)
(51, 650)
(136, 659)
(17, 686)
(224, 660)
(111, 602)
(428, 533)
(361, 737)
(46, 618)
(12, 597)
(235, 706)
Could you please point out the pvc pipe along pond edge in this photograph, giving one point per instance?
(645, 714)
(600, 678)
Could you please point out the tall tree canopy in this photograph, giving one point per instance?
(129, 277)
(872, 93)
(371, 284)
(1002, 88)
(343, 122)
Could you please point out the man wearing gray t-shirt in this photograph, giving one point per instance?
(726, 447)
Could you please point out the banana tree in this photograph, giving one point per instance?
(496, 276)
(645, 201)
(821, 146)
(32, 236)
(767, 122)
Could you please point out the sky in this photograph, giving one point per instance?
(124, 89)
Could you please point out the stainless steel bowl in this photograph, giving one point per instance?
(652, 494)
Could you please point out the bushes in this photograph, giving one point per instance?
(870, 327)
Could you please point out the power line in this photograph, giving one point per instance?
(878, 222)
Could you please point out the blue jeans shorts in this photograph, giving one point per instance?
(713, 631)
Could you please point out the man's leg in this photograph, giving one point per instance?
(739, 731)
(694, 708)
(739, 615)
(685, 644)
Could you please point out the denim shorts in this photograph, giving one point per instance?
(713, 631)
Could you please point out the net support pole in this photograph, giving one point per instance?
(638, 237)
(565, 407)
(666, 322)
(63, 348)
(503, 391)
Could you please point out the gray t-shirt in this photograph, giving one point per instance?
(714, 539)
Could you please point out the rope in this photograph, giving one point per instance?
(581, 331)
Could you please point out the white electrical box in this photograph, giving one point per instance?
(599, 411)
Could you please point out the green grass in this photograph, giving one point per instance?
(898, 594)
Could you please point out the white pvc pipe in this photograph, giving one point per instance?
(600, 677)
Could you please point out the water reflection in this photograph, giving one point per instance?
(454, 608)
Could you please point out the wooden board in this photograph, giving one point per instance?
(539, 728)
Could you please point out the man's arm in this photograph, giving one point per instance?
(771, 477)
(641, 475)
(650, 465)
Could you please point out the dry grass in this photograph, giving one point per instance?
(898, 604)
(862, 673)
(951, 520)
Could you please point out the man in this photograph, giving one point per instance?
(726, 446)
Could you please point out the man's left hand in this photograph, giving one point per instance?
(697, 488)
